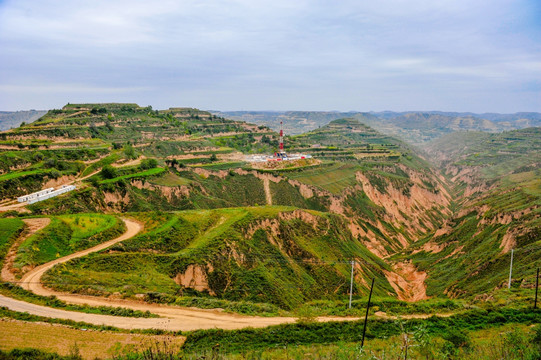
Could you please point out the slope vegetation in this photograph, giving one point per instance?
(497, 182)
(222, 229)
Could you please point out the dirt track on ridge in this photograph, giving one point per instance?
(172, 317)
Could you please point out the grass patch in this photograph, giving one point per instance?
(334, 178)
(14, 175)
(65, 235)
(141, 174)
(170, 180)
(10, 229)
(108, 160)
(222, 165)
(236, 341)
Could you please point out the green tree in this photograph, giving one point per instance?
(148, 164)
(129, 151)
(108, 172)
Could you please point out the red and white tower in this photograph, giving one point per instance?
(281, 138)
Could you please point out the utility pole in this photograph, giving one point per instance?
(351, 283)
(536, 289)
(367, 308)
(511, 269)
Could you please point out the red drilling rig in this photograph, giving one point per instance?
(280, 155)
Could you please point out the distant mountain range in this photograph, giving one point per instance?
(13, 119)
(414, 127)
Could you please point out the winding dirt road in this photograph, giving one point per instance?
(32, 279)
(172, 317)
(31, 227)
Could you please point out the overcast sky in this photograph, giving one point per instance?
(456, 55)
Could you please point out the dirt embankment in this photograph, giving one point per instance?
(410, 205)
(167, 191)
(407, 281)
(62, 180)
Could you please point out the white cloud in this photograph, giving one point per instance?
(310, 54)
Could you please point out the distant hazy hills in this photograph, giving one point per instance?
(414, 127)
(12, 119)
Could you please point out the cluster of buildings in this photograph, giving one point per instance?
(45, 194)
(278, 156)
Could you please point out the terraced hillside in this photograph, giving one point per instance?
(81, 139)
(220, 230)
(370, 195)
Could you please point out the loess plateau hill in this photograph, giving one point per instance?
(432, 222)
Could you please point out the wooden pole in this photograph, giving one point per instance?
(367, 308)
(510, 269)
(351, 284)
(536, 288)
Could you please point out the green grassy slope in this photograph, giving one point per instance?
(497, 179)
(66, 234)
(355, 180)
(9, 230)
(271, 255)
(371, 186)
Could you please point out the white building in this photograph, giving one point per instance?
(46, 194)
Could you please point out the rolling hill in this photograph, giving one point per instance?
(220, 227)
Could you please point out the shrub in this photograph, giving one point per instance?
(148, 164)
(306, 314)
(108, 172)
(457, 338)
(129, 151)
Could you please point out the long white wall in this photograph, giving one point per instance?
(35, 195)
(62, 190)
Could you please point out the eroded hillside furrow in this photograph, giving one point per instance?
(497, 208)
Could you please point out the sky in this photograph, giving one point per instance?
(400, 55)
